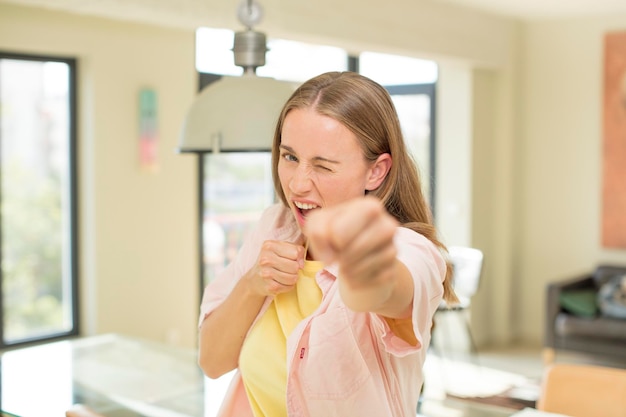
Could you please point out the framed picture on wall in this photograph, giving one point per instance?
(614, 142)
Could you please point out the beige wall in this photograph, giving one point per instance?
(138, 251)
(518, 158)
(537, 182)
(495, 138)
(559, 159)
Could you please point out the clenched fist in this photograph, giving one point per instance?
(358, 235)
(276, 270)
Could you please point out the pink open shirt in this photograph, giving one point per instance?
(341, 362)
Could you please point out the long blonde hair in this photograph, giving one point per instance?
(366, 108)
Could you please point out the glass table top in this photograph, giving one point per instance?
(119, 376)
(111, 374)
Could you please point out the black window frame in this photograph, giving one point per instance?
(72, 64)
(428, 89)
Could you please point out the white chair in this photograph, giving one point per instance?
(467, 270)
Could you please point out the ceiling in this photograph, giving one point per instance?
(545, 9)
(190, 13)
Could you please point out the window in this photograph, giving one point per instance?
(411, 84)
(236, 187)
(38, 296)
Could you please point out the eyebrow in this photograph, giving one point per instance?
(316, 158)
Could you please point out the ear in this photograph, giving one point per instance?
(378, 171)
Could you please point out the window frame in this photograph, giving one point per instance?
(428, 89)
(74, 299)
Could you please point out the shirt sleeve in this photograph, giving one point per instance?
(428, 269)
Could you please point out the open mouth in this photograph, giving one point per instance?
(305, 208)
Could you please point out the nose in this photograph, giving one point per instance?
(301, 180)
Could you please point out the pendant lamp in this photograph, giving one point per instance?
(236, 114)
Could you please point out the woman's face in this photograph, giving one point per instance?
(320, 164)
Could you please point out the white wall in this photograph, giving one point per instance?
(138, 230)
(454, 155)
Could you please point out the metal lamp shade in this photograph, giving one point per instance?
(235, 114)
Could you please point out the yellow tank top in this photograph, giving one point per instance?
(263, 357)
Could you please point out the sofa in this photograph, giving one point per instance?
(574, 322)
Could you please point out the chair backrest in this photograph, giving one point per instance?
(468, 265)
(583, 391)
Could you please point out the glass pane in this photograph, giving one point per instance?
(237, 188)
(297, 61)
(395, 70)
(214, 52)
(35, 190)
(413, 109)
(414, 114)
(285, 60)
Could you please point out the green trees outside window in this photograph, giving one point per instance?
(37, 199)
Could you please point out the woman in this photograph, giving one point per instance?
(327, 308)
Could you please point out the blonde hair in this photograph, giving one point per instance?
(366, 109)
